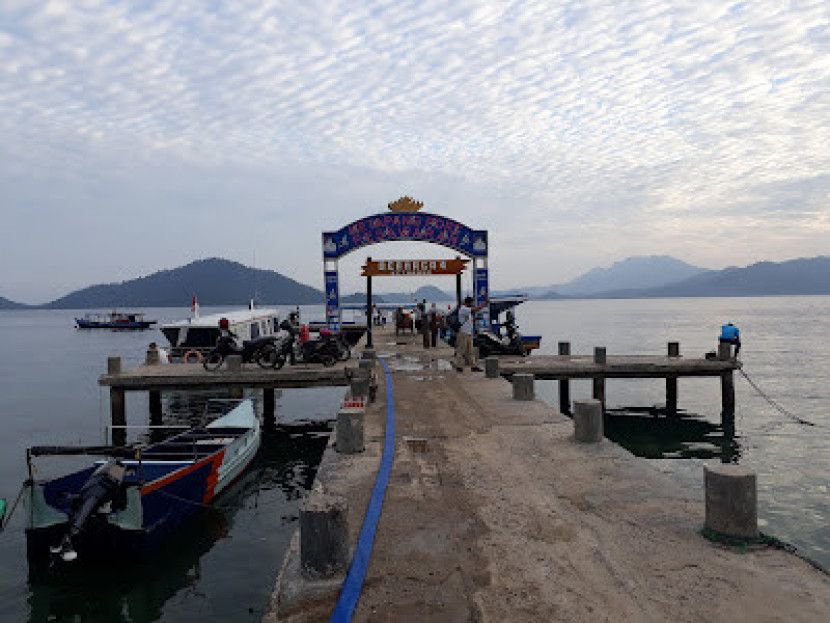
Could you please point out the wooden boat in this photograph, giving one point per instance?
(114, 320)
(125, 507)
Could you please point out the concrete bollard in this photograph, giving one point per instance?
(724, 352)
(600, 355)
(588, 427)
(674, 349)
(152, 358)
(491, 367)
(349, 433)
(523, 387)
(234, 363)
(731, 500)
(369, 353)
(366, 364)
(359, 385)
(324, 535)
(113, 365)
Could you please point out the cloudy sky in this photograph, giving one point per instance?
(138, 136)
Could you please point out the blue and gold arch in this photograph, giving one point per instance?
(403, 222)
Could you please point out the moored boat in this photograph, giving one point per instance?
(126, 506)
(114, 320)
(199, 334)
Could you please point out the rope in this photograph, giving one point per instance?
(8, 516)
(774, 404)
(353, 584)
(763, 540)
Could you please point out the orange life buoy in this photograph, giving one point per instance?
(193, 352)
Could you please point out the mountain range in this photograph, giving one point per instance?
(223, 282)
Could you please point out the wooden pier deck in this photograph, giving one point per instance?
(558, 367)
(194, 376)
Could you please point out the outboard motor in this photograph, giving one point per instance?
(96, 494)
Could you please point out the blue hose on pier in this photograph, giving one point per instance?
(352, 585)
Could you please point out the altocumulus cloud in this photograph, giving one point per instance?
(603, 128)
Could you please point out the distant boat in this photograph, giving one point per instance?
(114, 320)
(125, 507)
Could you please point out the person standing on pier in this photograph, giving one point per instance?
(465, 353)
(730, 334)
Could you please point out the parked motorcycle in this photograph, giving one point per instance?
(326, 349)
(489, 343)
(262, 351)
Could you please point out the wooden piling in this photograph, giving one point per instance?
(118, 416)
(269, 402)
(600, 358)
(671, 383)
(564, 384)
(727, 389)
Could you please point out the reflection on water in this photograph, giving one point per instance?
(177, 582)
(648, 432)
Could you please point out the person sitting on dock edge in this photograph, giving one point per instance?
(730, 334)
(464, 349)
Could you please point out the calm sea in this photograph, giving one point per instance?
(224, 567)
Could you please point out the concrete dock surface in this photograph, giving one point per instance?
(494, 513)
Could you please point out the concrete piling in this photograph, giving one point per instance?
(588, 426)
(359, 385)
(731, 500)
(349, 437)
(491, 367)
(113, 365)
(324, 535)
(523, 387)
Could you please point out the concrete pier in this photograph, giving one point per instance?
(493, 513)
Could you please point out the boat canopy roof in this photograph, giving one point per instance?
(237, 316)
(500, 304)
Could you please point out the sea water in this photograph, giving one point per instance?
(224, 565)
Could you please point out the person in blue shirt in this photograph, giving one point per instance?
(730, 334)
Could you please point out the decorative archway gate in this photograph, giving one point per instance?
(402, 223)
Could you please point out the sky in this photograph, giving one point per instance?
(141, 136)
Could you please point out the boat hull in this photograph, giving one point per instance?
(162, 496)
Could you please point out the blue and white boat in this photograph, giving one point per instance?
(125, 507)
(114, 320)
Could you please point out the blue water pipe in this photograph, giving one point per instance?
(353, 584)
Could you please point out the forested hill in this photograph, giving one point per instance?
(214, 281)
(7, 304)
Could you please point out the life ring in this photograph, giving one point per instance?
(187, 355)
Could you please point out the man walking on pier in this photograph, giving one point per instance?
(464, 349)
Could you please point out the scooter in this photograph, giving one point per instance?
(261, 351)
(325, 349)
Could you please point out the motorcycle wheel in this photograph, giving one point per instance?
(328, 359)
(280, 362)
(267, 357)
(213, 361)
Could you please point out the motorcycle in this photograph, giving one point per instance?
(326, 349)
(262, 351)
(489, 343)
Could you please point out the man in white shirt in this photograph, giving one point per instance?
(465, 353)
